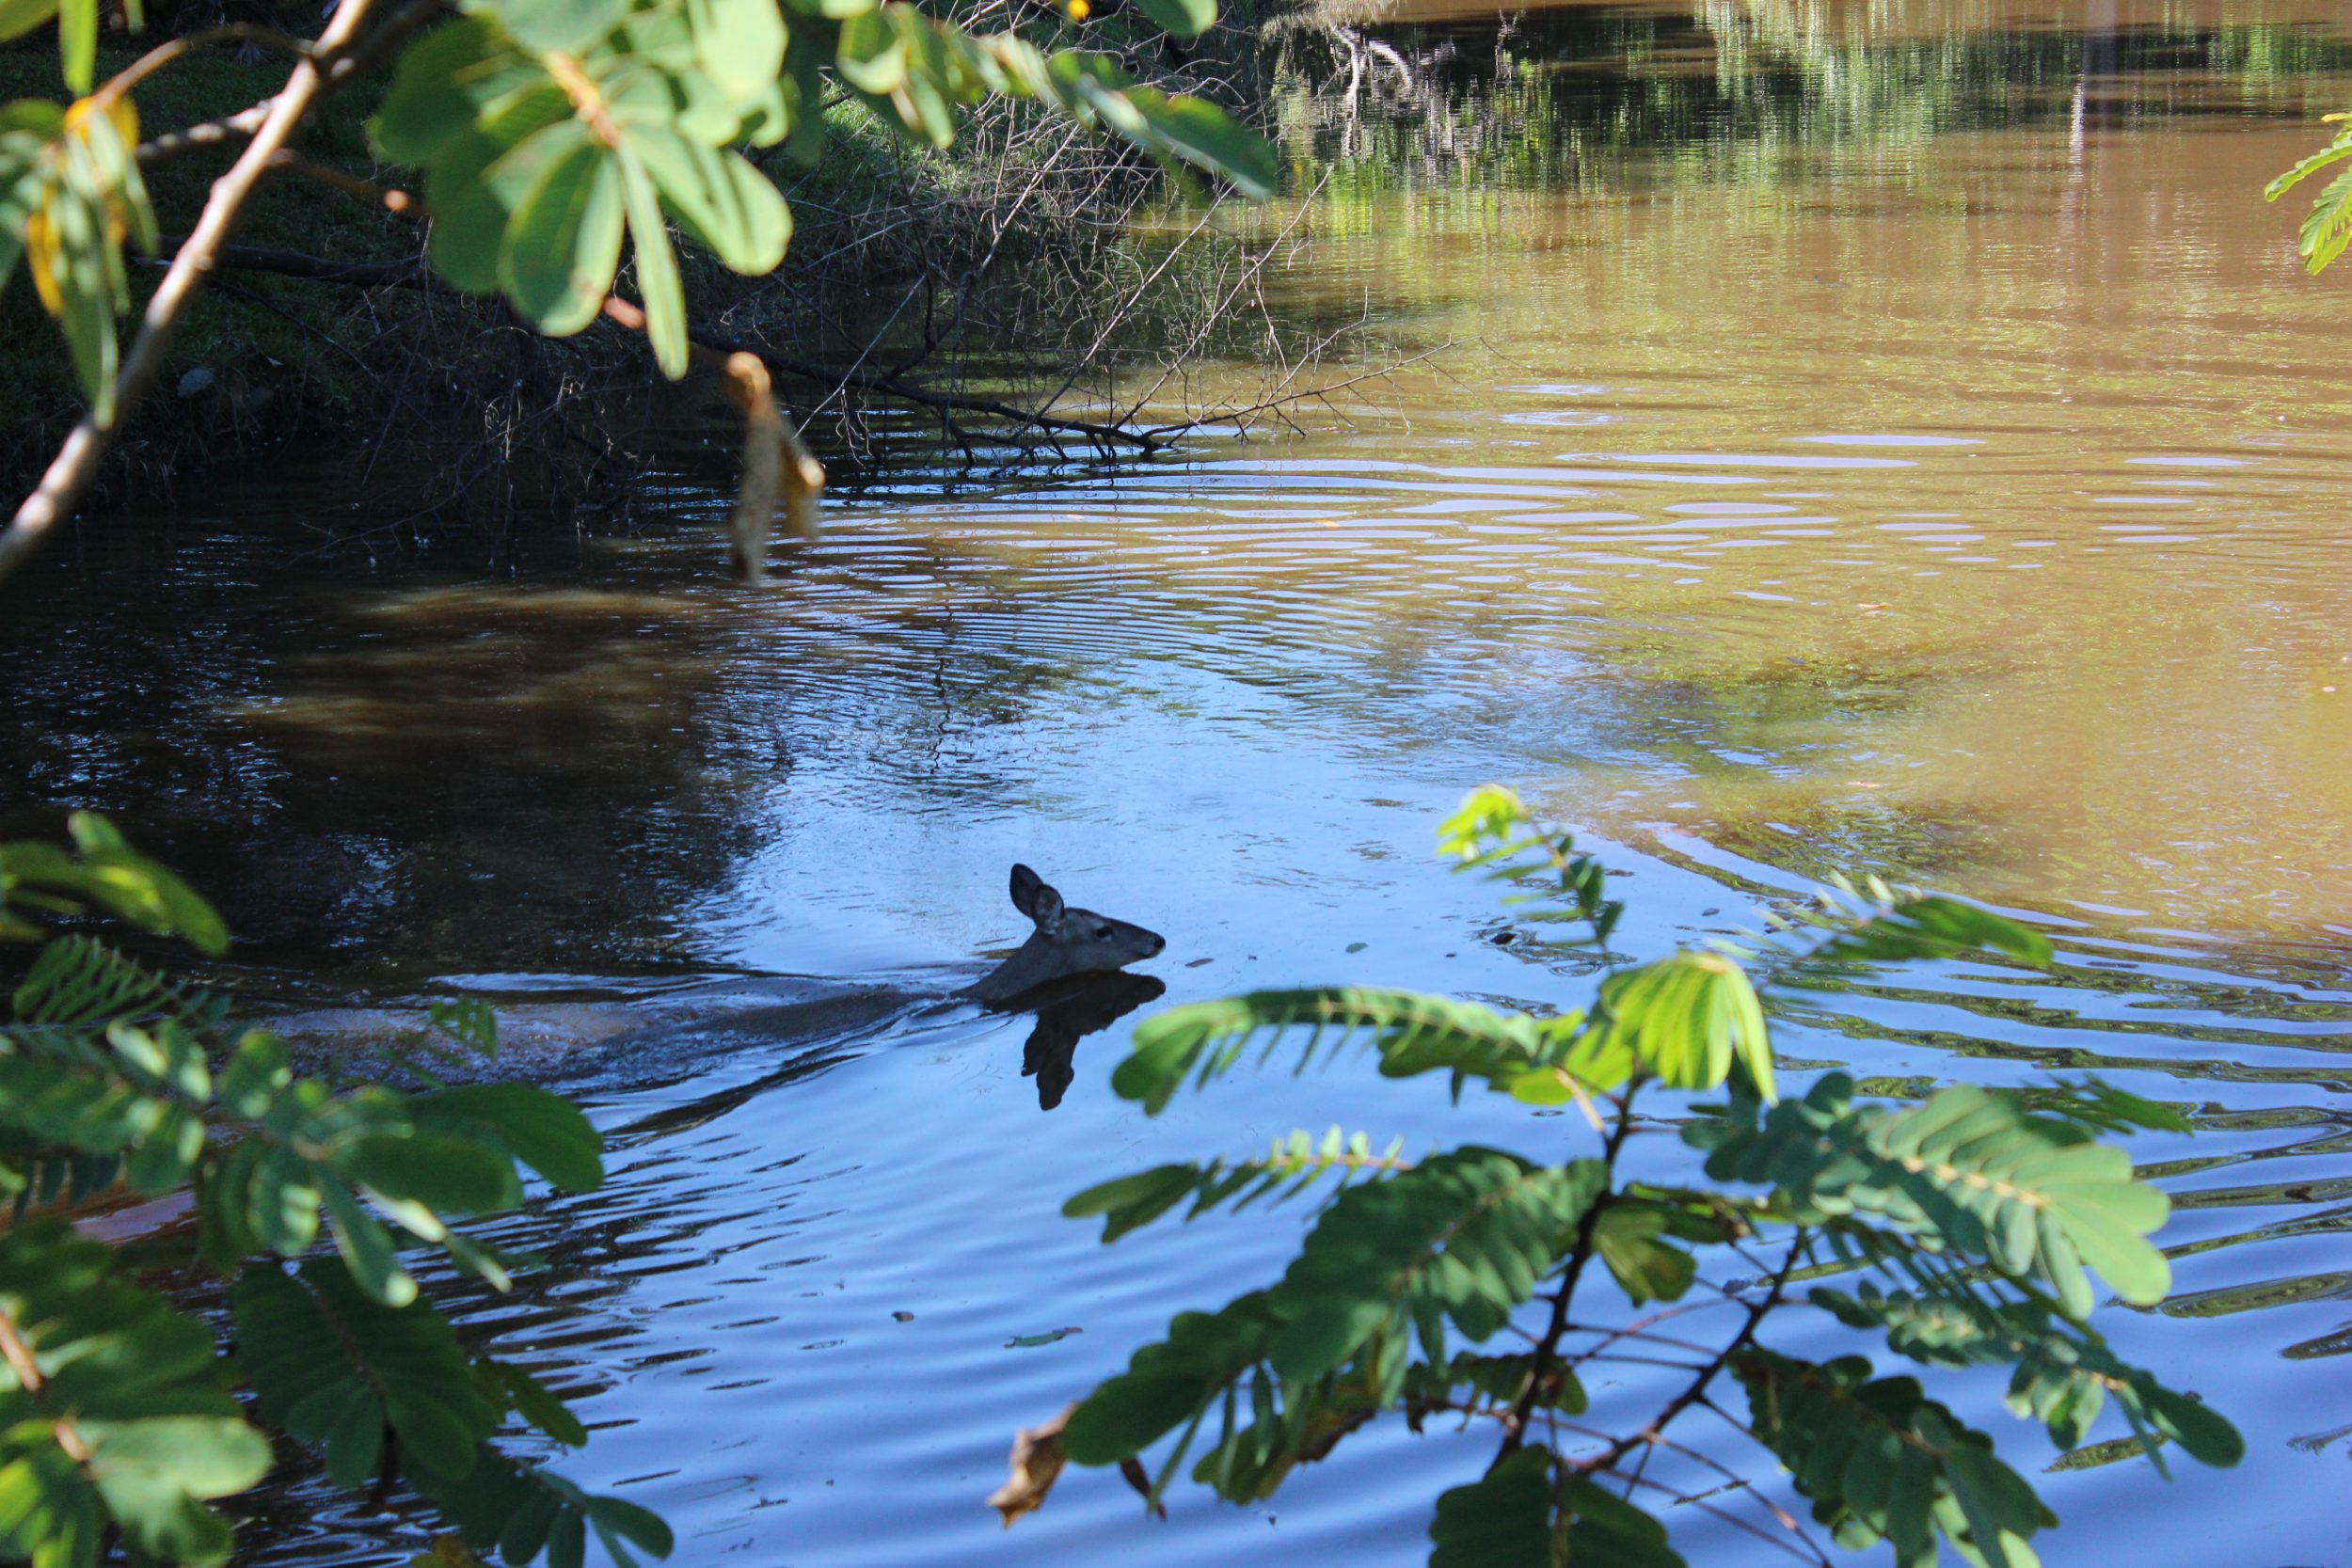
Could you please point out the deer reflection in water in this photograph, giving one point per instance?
(1068, 1011)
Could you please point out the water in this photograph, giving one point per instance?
(1891, 440)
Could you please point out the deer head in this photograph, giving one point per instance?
(1066, 941)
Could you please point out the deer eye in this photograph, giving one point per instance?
(1102, 933)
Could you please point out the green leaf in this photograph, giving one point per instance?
(563, 244)
(1185, 19)
(1412, 1033)
(1880, 1460)
(469, 1020)
(657, 267)
(367, 1248)
(1645, 1268)
(726, 203)
(77, 982)
(334, 1368)
(2064, 1373)
(1204, 136)
(533, 1402)
(2328, 226)
(1168, 1381)
(77, 43)
(872, 55)
(470, 208)
(1465, 1235)
(1909, 927)
(19, 17)
(1290, 1168)
(1527, 1512)
(566, 26)
(544, 1130)
(1688, 1018)
(1971, 1168)
(2333, 153)
(130, 1384)
(738, 44)
(460, 72)
(450, 1172)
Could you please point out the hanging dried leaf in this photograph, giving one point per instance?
(1037, 1462)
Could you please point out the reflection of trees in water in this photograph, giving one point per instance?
(426, 774)
(1560, 98)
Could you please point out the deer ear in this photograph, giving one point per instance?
(1034, 898)
(1025, 884)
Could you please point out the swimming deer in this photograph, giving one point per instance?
(1067, 973)
(1067, 941)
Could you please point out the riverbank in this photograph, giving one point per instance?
(915, 275)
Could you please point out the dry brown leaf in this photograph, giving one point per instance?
(1037, 1462)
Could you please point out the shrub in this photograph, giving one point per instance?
(121, 1412)
(1976, 1217)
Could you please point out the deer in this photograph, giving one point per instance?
(1068, 973)
(1066, 941)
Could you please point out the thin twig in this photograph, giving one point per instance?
(1619, 1447)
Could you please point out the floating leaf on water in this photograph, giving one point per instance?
(1031, 1341)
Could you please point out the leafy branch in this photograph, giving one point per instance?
(555, 138)
(117, 1413)
(1991, 1209)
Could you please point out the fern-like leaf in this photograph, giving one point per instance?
(1289, 1169)
(1462, 1238)
(337, 1369)
(1882, 1461)
(1687, 1017)
(1969, 1170)
(2334, 152)
(1413, 1032)
(1531, 1512)
(77, 982)
(1846, 928)
(1492, 831)
(524, 1510)
(2328, 226)
(2064, 1373)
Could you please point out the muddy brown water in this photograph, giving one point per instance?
(1886, 439)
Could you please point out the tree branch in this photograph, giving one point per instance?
(1547, 1352)
(1696, 1389)
(70, 473)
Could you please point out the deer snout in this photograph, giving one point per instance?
(1157, 944)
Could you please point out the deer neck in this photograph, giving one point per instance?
(1034, 962)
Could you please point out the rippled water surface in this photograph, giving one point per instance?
(1893, 440)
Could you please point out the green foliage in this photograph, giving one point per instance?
(2064, 1371)
(557, 136)
(1882, 1462)
(2036, 1196)
(1531, 1510)
(124, 1416)
(1986, 1209)
(2329, 227)
(1289, 1169)
(113, 1412)
(1491, 832)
